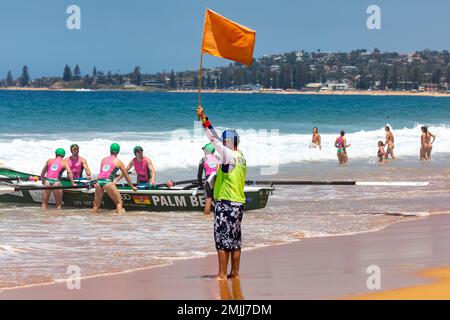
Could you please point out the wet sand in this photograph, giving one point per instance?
(315, 268)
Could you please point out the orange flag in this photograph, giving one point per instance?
(227, 39)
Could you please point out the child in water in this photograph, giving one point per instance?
(381, 153)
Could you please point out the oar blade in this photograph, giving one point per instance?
(337, 183)
(6, 189)
(393, 183)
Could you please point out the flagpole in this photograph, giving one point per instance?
(200, 80)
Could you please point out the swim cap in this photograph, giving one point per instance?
(137, 148)
(60, 152)
(115, 148)
(231, 135)
(209, 148)
(73, 146)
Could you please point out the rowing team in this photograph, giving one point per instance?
(107, 178)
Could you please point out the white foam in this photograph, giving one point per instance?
(30, 153)
(10, 250)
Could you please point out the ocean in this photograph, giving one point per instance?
(275, 132)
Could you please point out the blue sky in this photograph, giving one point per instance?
(166, 34)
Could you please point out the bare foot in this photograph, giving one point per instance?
(221, 278)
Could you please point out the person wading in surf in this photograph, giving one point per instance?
(316, 141)
(105, 180)
(426, 144)
(51, 175)
(143, 166)
(389, 142)
(229, 197)
(78, 164)
(208, 164)
(341, 145)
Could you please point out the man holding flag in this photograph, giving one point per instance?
(227, 39)
(229, 197)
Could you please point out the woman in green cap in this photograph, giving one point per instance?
(208, 164)
(106, 180)
(51, 175)
(143, 166)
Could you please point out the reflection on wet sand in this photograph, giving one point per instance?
(236, 292)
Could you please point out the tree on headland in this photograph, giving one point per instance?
(87, 81)
(67, 75)
(195, 81)
(394, 78)
(436, 76)
(384, 78)
(448, 74)
(76, 73)
(109, 78)
(25, 77)
(180, 80)
(360, 69)
(416, 75)
(9, 79)
(172, 80)
(136, 76)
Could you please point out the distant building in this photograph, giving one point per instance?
(338, 86)
(313, 86)
(274, 68)
(153, 84)
(247, 87)
(348, 69)
(326, 89)
(429, 87)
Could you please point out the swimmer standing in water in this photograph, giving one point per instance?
(382, 156)
(389, 142)
(341, 145)
(316, 139)
(426, 145)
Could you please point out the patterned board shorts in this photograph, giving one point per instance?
(227, 225)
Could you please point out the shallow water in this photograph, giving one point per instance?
(38, 246)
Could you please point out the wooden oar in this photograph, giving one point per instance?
(333, 182)
(14, 179)
(175, 183)
(11, 189)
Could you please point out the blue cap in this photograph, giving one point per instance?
(231, 135)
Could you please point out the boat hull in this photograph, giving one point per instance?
(174, 199)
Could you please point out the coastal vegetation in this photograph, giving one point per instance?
(427, 70)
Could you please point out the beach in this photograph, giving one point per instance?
(316, 268)
(275, 133)
(262, 91)
(327, 93)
